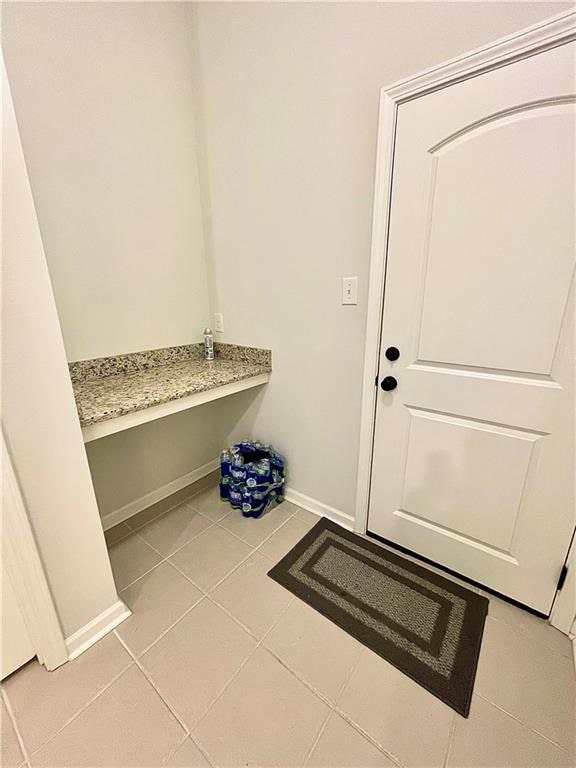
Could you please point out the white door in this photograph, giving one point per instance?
(15, 647)
(473, 463)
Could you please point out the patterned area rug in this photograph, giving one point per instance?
(427, 626)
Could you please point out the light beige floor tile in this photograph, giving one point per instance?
(42, 702)
(208, 502)
(174, 529)
(140, 519)
(315, 648)
(491, 738)
(210, 557)
(265, 717)
(160, 507)
(131, 558)
(128, 725)
(193, 662)
(307, 517)
(156, 600)
(10, 753)
(527, 680)
(251, 596)
(187, 756)
(254, 530)
(406, 720)
(341, 746)
(286, 537)
(114, 535)
(537, 629)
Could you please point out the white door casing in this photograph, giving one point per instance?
(473, 452)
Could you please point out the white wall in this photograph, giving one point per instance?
(105, 104)
(290, 100)
(38, 412)
(104, 95)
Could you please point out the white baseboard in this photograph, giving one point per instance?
(319, 508)
(117, 516)
(90, 633)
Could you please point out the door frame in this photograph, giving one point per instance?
(22, 564)
(540, 37)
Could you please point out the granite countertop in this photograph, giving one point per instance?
(108, 387)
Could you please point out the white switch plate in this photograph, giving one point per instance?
(349, 290)
(218, 322)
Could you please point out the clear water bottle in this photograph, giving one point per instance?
(208, 344)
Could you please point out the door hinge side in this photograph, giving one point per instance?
(562, 577)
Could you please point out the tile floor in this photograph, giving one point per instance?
(220, 666)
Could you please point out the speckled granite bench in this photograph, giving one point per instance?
(116, 393)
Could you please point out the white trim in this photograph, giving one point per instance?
(547, 34)
(90, 633)
(26, 573)
(117, 516)
(319, 508)
(529, 41)
(110, 426)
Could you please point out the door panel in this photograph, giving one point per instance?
(480, 244)
(450, 467)
(473, 463)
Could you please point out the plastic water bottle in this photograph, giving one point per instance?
(208, 344)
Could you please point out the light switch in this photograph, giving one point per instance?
(218, 322)
(349, 290)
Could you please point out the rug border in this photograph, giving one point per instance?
(473, 625)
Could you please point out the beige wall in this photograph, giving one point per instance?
(105, 104)
(290, 98)
(104, 94)
(38, 412)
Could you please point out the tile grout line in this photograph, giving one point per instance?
(234, 619)
(226, 686)
(12, 717)
(333, 705)
(319, 735)
(253, 548)
(172, 709)
(369, 737)
(450, 742)
(526, 633)
(521, 722)
(352, 722)
(213, 523)
(165, 631)
(332, 709)
(165, 558)
(153, 684)
(246, 660)
(174, 749)
(81, 710)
